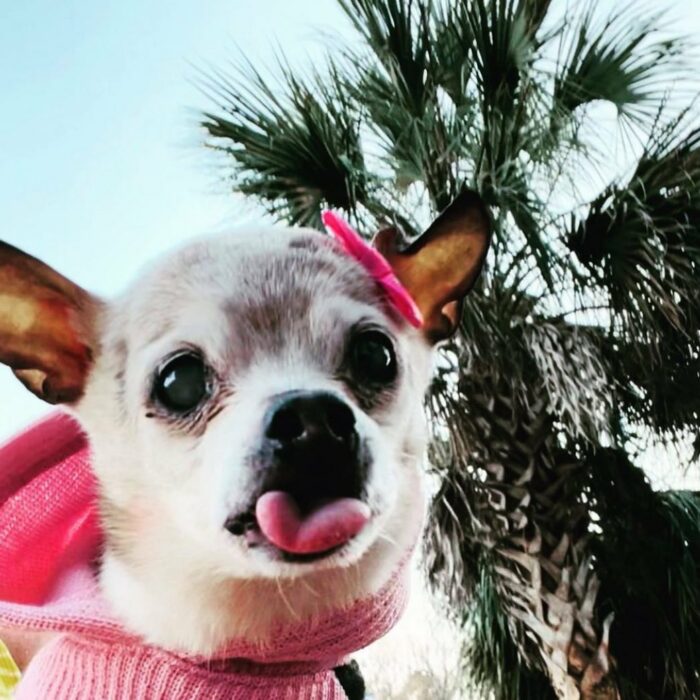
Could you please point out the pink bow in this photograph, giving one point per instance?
(377, 266)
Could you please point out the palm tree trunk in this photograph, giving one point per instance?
(520, 500)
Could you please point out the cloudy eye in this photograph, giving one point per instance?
(181, 383)
(373, 357)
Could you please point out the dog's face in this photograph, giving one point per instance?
(254, 405)
(247, 365)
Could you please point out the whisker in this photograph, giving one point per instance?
(309, 587)
(386, 538)
(292, 612)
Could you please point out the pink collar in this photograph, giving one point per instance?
(49, 540)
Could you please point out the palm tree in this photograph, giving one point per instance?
(581, 345)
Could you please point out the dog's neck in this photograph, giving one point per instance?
(199, 615)
(239, 616)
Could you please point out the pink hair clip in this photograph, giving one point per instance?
(375, 263)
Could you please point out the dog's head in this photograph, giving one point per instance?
(254, 407)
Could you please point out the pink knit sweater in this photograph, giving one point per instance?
(49, 543)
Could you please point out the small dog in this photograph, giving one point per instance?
(253, 405)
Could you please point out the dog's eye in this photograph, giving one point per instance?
(181, 383)
(373, 357)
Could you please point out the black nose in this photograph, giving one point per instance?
(301, 418)
(311, 447)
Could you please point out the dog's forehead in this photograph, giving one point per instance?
(265, 278)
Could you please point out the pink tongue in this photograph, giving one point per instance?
(327, 527)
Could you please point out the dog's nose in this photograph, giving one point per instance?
(311, 448)
(302, 420)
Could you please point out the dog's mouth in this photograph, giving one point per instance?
(301, 534)
(313, 467)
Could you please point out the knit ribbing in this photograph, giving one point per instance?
(75, 668)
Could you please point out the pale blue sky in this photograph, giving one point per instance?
(101, 159)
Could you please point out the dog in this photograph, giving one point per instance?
(253, 406)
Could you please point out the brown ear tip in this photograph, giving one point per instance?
(49, 388)
(8, 253)
(469, 201)
(469, 197)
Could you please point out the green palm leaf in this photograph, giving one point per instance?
(623, 60)
(295, 149)
(641, 245)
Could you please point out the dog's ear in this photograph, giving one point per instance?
(47, 327)
(440, 266)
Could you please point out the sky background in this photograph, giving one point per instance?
(102, 160)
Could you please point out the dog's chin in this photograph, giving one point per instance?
(266, 561)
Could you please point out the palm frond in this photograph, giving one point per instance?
(423, 148)
(491, 659)
(534, 13)
(452, 56)
(509, 99)
(295, 146)
(640, 241)
(422, 138)
(398, 33)
(503, 50)
(657, 387)
(624, 60)
(649, 549)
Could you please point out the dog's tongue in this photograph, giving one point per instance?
(329, 526)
